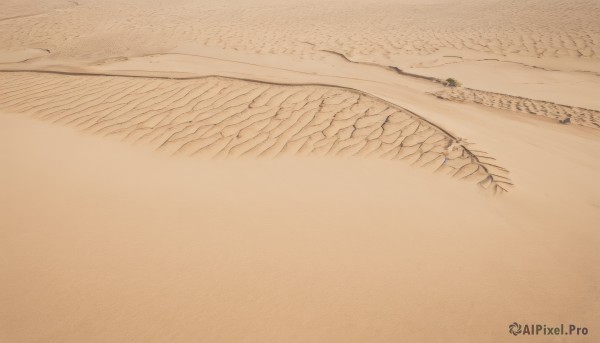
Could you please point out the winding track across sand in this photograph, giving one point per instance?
(222, 117)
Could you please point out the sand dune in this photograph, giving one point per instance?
(104, 241)
(532, 28)
(406, 33)
(139, 200)
(222, 117)
(576, 115)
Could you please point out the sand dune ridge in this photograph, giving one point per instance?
(223, 117)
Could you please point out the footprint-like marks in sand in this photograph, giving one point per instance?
(223, 117)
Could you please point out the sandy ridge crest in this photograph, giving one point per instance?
(223, 117)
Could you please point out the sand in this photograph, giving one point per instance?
(265, 171)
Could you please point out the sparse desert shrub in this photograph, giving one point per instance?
(451, 82)
(565, 121)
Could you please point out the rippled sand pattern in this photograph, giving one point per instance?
(577, 115)
(220, 117)
(532, 28)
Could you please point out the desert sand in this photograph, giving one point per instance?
(266, 171)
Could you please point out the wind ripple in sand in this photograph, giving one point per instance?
(221, 117)
(532, 28)
(577, 115)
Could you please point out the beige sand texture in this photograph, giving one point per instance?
(298, 171)
(222, 117)
(577, 115)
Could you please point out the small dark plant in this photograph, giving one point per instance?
(453, 82)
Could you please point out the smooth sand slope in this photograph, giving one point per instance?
(104, 242)
(267, 171)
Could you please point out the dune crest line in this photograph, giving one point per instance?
(227, 117)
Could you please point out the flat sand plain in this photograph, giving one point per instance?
(266, 171)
